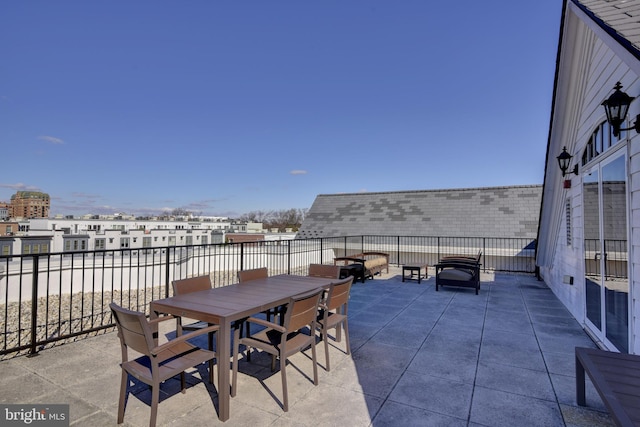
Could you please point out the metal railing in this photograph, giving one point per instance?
(46, 298)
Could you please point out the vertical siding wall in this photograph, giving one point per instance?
(588, 71)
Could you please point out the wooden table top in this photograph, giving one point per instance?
(239, 300)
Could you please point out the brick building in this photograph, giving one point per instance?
(29, 204)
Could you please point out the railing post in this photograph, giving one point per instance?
(288, 256)
(484, 253)
(166, 274)
(33, 351)
(321, 250)
(241, 256)
(398, 250)
(438, 250)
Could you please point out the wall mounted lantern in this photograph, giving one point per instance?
(617, 107)
(564, 159)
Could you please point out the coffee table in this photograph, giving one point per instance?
(415, 272)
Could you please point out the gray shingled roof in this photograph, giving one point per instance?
(620, 18)
(474, 212)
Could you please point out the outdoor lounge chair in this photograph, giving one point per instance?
(158, 363)
(283, 340)
(458, 272)
(333, 314)
(464, 258)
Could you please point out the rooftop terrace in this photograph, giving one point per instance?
(420, 357)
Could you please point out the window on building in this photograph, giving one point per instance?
(67, 245)
(44, 248)
(600, 141)
(124, 242)
(172, 240)
(101, 244)
(6, 250)
(189, 240)
(146, 242)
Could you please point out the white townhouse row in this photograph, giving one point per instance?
(52, 235)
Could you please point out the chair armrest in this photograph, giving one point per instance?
(458, 264)
(157, 320)
(157, 350)
(267, 324)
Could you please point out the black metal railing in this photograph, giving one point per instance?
(46, 298)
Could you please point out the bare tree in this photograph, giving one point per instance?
(280, 219)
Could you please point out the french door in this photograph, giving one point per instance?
(606, 251)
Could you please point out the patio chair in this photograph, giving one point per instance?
(456, 272)
(158, 363)
(186, 286)
(325, 271)
(254, 274)
(333, 315)
(283, 340)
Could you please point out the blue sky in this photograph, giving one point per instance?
(224, 107)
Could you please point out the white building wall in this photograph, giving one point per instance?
(590, 65)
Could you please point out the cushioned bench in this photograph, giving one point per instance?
(373, 262)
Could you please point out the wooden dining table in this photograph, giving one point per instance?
(229, 304)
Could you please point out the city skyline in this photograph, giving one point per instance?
(225, 108)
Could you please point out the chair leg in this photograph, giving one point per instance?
(285, 394)
(247, 334)
(236, 344)
(124, 382)
(314, 360)
(325, 338)
(211, 360)
(155, 398)
(346, 335)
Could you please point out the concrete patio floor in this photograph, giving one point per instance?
(419, 358)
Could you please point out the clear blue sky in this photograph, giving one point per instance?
(226, 107)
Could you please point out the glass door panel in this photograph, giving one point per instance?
(614, 230)
(592, 248)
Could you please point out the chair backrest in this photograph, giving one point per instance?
(338, 295)
(253, 274)
(192, 284)
(302, 310)
(134, 330)
(325, 271)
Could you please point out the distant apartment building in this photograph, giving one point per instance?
(29, 204)
(4, 211)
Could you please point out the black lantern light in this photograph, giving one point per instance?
(564, 159)
(617, 107)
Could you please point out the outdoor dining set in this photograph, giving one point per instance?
(289, 313)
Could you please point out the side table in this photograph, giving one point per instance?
(415, 272)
